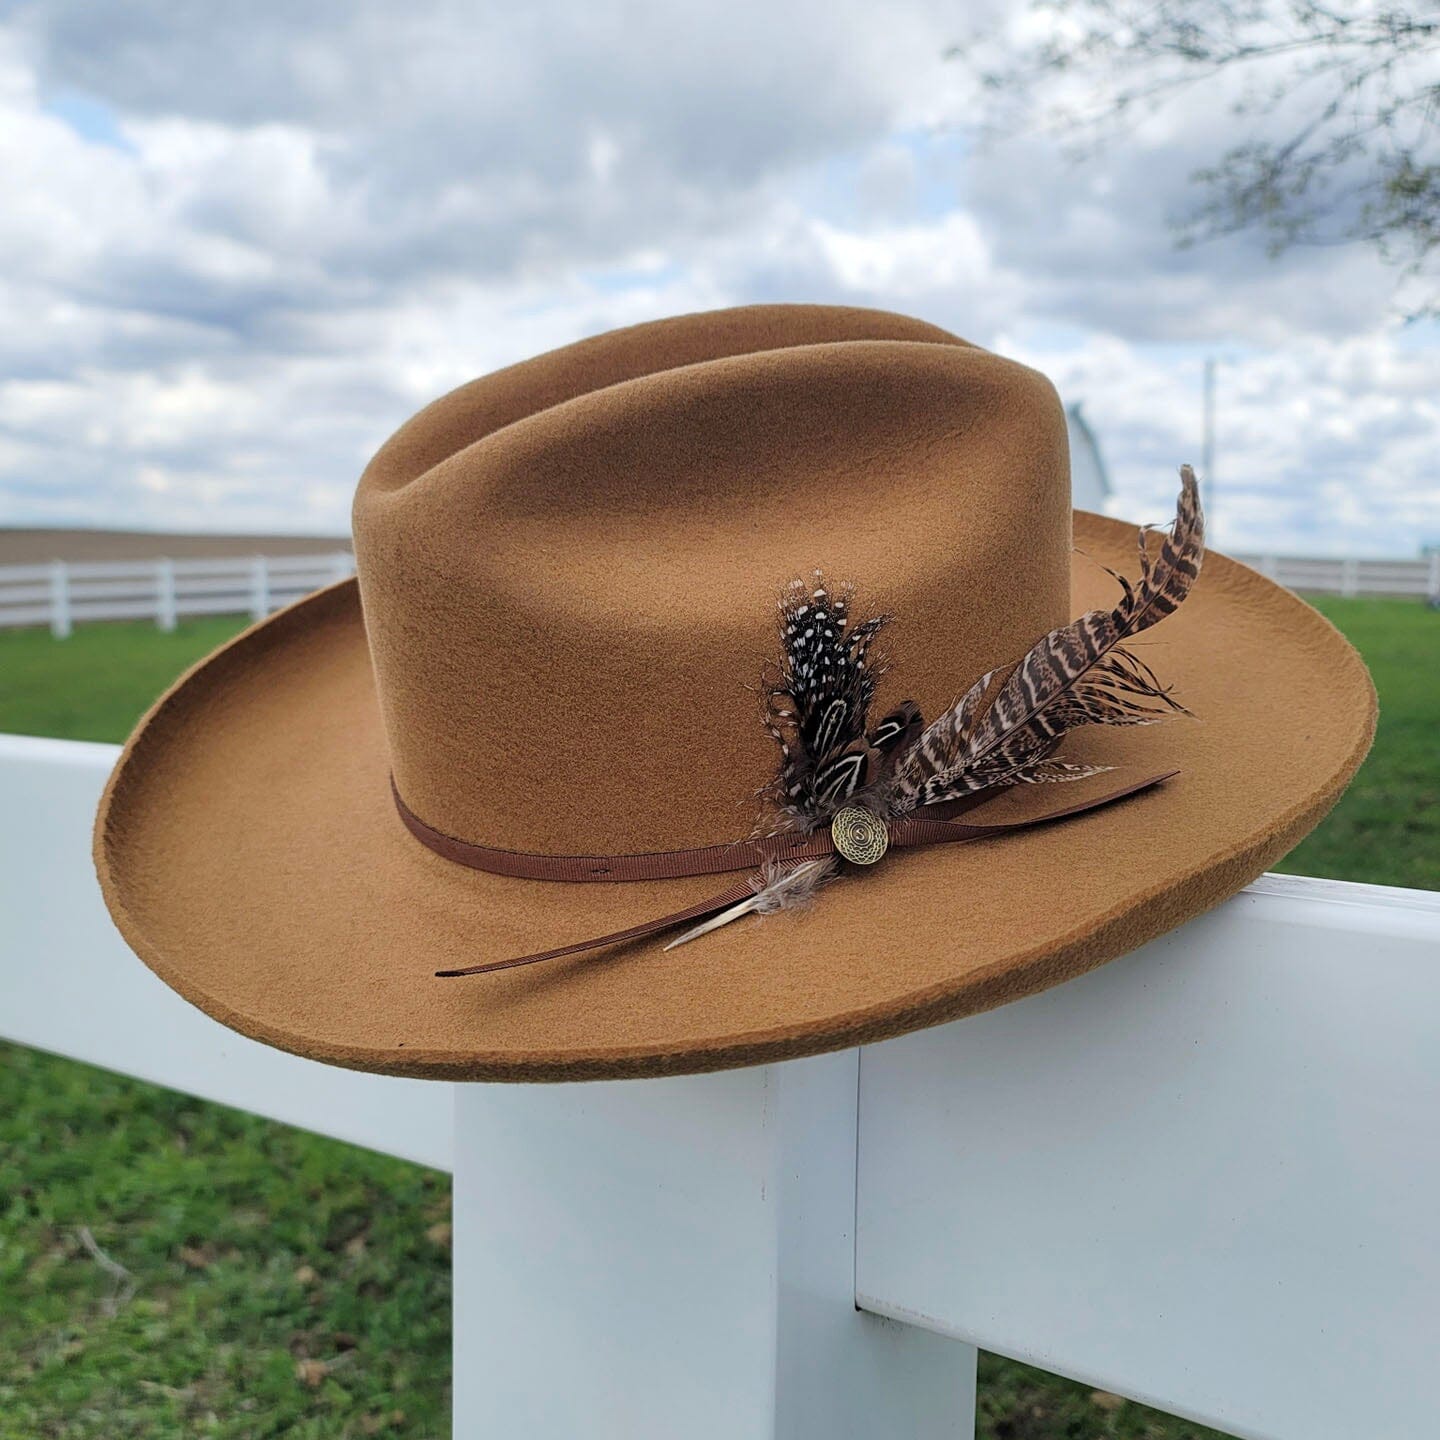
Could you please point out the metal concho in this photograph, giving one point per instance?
(859, 836)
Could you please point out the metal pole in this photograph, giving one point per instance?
(1207, 450)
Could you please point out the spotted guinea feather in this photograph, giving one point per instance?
(1004, 733)
(816, 707)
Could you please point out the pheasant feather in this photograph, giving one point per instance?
(1004, 729)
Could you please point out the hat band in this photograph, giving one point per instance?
(655, 865)
(936, 828)
(785, 851)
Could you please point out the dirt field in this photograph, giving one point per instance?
(32, 547)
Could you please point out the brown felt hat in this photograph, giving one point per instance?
(566, 598)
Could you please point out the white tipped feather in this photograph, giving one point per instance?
(780, 889)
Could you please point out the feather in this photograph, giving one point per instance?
(1056, 772)
(779, 887)
(1003, 730)
(934, 752)
(898, 730)
(816, 707)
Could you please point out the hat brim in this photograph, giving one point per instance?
(250, 853)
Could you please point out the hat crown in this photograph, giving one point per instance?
(570, 568)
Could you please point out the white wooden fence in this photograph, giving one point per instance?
(61, 594)
(1206, 1176)
(1416, 579)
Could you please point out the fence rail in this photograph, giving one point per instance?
(1416, 579)
(63, 594)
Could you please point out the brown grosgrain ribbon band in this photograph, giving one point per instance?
(782, 850)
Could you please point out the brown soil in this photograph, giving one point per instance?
(30, 547)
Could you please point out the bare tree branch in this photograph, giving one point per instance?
(1343, 98)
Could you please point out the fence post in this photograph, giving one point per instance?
(1434, 583)
(685, 1249)
(260, 588)
(59, 599)
(1349, 577)
(165, 594)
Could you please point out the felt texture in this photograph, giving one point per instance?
(566, 597)
(568, 573)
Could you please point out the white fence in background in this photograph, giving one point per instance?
(64, 594)
(61, 595)
(1204, 1176)
(1418, 578)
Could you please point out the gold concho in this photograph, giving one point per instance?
(859, 835)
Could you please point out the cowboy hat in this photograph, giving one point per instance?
(559, 684)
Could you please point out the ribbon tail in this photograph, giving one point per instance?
(740, 891)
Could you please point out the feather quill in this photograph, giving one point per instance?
(778, 888)
(1004, 729)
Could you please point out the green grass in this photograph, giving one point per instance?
(97, 683)
(283, 1285)
(289, 1285)
(1386, 828)
(1015, 1402)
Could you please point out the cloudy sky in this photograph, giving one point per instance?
(242, 241)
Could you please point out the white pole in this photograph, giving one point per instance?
(165, 594)
(1434, 583)
(59, 599)
(260, 589)
(1349, 577)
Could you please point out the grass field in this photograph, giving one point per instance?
(1386, 828)
(283, 1285)
(97, 683)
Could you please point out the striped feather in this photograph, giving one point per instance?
(1004, 734)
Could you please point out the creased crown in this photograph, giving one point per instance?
(570, 568)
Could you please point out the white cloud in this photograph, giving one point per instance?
(1321, 448)
(241, 244)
